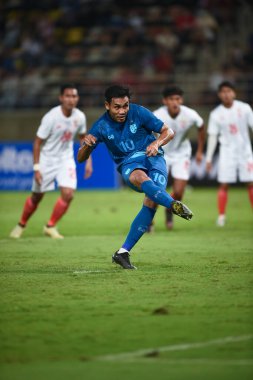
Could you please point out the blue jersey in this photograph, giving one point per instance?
(128, 139)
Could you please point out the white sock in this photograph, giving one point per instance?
(122, 250)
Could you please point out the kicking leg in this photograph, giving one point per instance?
(140, 180)
(30, 207)
(60, 208)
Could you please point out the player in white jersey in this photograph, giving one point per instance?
(229, 123)
(54, 160)
(178, 151)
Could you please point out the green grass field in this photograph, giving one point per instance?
(68, 313)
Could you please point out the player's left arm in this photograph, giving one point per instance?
(166, 134)
(201, 143)
(89, 165)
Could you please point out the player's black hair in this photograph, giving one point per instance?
(64, 86)
(226, 83)
(172, 90)
(116, 91)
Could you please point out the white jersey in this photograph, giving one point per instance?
(232, 125)
(186, 119)
(59, 132)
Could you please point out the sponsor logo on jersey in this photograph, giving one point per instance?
(133, 128)
(67, 136)
(233, 129)
(110, 137)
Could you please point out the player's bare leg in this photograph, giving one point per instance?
(222, 198)
(60, 208)
(30, 207)
(178, 189)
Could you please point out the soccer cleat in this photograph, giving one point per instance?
(178, 208)
(221, 221)
(169, 219)
(17, 231)
(52, 232)
(123, 260)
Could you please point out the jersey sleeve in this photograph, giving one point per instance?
(197, 119)
(96, 132)
(45, 127)
(150, 121)
(250, 117)
(83, 124)
(213, 126)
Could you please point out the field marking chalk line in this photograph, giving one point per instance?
(91, 271)
(175, 347)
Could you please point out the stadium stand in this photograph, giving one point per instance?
(142, 43)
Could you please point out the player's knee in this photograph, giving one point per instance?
(68, 196)
(224, 187)
(36, 198)
(137, 177)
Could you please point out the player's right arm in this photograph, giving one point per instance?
(36, 159)
(87, 146)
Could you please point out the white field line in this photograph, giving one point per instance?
(175, 347)
(216, 362)
(91, 271)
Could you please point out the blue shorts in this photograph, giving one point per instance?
(155, 167)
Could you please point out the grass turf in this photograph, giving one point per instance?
(64, 305)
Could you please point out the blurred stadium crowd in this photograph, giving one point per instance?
(141, 43)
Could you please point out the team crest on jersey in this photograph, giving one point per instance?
(110, 137)
(133, 128)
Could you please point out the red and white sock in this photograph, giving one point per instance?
(29, 208)
(59, 210)
(222, 201)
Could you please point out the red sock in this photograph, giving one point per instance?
(28, 210)
(222, 201)
(59, 210)
(250, 192)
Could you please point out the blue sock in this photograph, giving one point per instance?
(139, 227)
(156, 194)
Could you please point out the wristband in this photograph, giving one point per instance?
(36, 167)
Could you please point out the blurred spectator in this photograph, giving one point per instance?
(142, 40)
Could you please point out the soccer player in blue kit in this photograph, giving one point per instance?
(126, 129)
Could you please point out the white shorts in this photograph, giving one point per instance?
(64, 173)
(230, 168)
(179, 166)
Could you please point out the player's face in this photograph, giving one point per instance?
(227, 96)
(118, 108)
(69, 99)
(173, 104)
